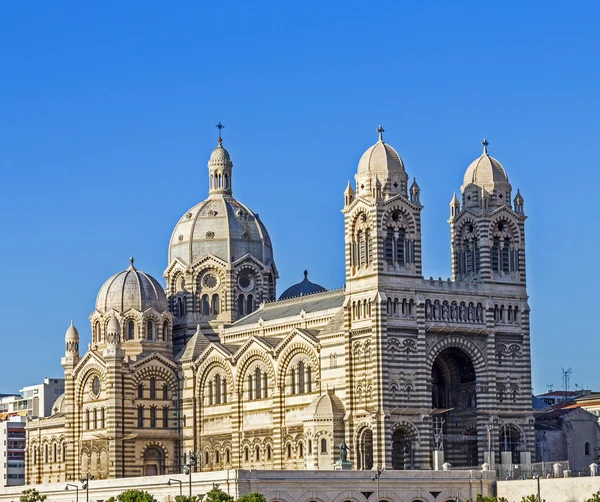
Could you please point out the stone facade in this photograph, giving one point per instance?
(394, 364)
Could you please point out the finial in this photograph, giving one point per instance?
(305, 275)
(220, 126)
(380, 130)
(485, 145)
(131, 261)
(71, 322)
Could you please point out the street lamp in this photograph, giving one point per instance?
(76, 490)
(85, 484)
(187, 468)
(376, 478)
(171, 481)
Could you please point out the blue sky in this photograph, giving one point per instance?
(107, 114)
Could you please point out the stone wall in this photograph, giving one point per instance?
(577, 489)
(290, 486)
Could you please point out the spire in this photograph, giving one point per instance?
(219, 168)
(455, 202)
(380, 130)
(306, 275)
(485, 145)
(348, 194)
(131, 267)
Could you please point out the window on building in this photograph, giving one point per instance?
(268, 452)
(153, 388)
(140, 416)
(140, 390)
(323, 445)
(165, 417)
(130, 330)
(165, 392)
(153, 417)
(150, 330)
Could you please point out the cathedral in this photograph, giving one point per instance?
(410, 372)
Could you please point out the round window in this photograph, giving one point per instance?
(96, 386)
(210, 281)
(246, 282)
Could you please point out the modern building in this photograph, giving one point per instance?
(12, 447)
(553, 397)
(409, 371)
(32, 401)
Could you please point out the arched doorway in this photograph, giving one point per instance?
(454, 387)
(510, 444)
(153, 461)
(403, 454)
(365, 450)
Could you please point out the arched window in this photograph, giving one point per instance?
(210, 393)
(289, 450)
(227, 456)
(217, 389)
(102, 418)
(250, 304)
(241, 303)
(258, 378)
(264, 385)
(64, 453)
(257, 453)
(153, 417)
(217, 457)
(46, 453)
(368, 246)
(205, 305)
(310, 446)
(301, 450)
(506, 256)
(153, 388)
(215, 304)
(131, 330)
(323, 445)
(87, 419)
(150, 334)
(165, 417)
(226, 177)
(400, 251)
(165, 331)
(206, 458)
(246, 454)
(224, 390)
(495, 256)
(309, 379)
(140, 416)
(250, 388)
(54, 454)
(165, 392)
(301, 377)
(268, 452)
(389, 246)
(293, 381)
(97, 332)
(140, 392)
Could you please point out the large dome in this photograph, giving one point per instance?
(223, 227)
(131, 289)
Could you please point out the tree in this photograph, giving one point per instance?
(252, 497)
(217, 495)
(135, 496)
(485, 498)
(595, 498)
(32, 495)
(186, 498)
(531, 498)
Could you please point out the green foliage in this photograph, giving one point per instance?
(531, 498)
(110, 499)
(485, 498)
(31, 495)
(217, 495)
(135, 496)
(186, 498)
(252, 497)
(595, 498)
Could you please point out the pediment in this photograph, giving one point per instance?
(210, 259)
(89, 357)
(297, 333)
(250, 258)
(176, 263)
(152, 358)
(253, 341)
(212, 348)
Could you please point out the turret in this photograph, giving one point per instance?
(219, 168)
(454, 207)
(348, 195)
(415, 192)
(518, 203)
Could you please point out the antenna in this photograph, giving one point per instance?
(566, 380)
(550, 387)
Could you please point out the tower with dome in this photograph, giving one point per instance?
(408, 371)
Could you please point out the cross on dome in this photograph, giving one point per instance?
(220, 126)
(380, 130)
(485, 145)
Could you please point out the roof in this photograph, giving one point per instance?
(303, 288)
(317, 302)
(485, 172)
(380, 157)
(328, 407)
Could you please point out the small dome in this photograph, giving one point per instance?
(380, 158)
(220, 157)
(113, 325)
(326, 407)
(57, 407)
(131, 289)
(72, 334)
(485, 172)
(302, 289)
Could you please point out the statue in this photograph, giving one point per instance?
(343, 451)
